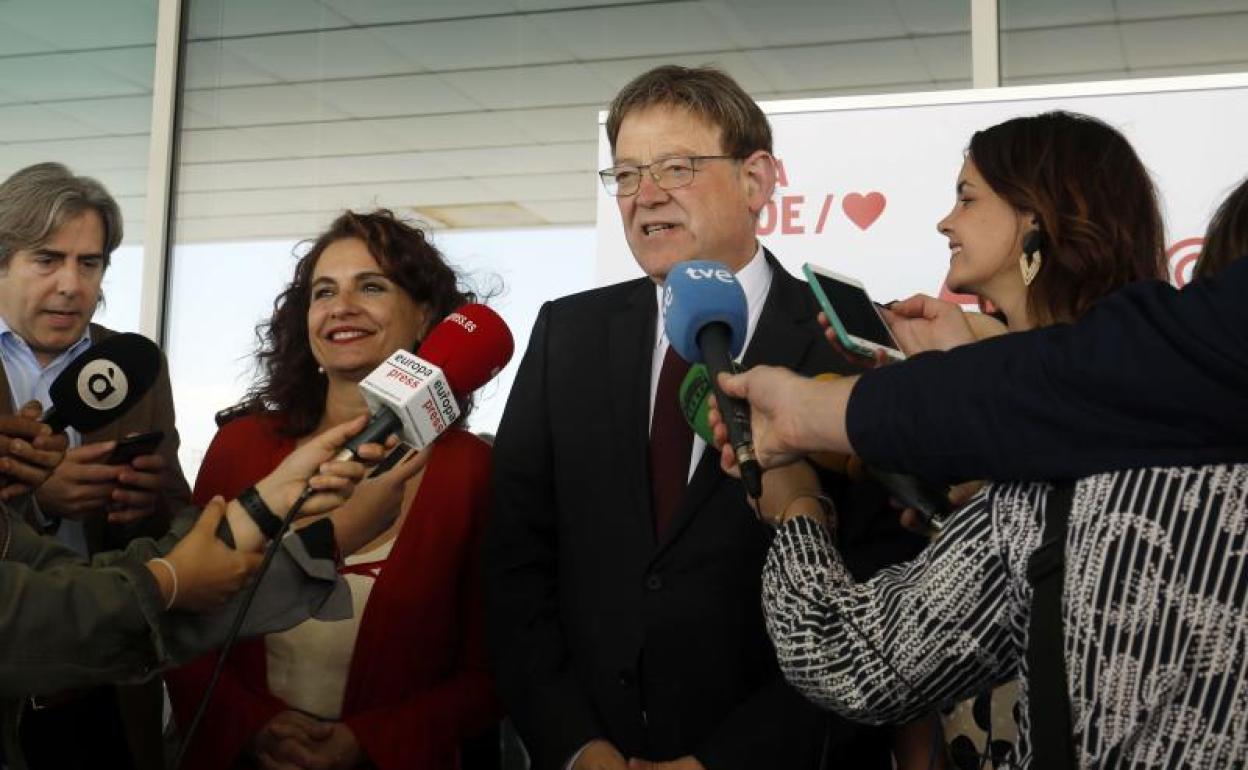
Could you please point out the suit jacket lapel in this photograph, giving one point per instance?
(630, 343)
(779, 340)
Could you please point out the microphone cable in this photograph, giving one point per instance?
(237, 624)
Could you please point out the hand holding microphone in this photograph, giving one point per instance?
(29, 451)
(96, 389)
(706, 318)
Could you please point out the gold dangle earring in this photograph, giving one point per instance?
(1029, 263)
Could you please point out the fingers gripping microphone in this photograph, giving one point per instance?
(103, 383)
(706, 320)
(695, 405)
(419, 396)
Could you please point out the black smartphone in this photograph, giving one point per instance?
(389, 461)
(130, 447)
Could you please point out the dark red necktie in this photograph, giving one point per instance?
(671, 442)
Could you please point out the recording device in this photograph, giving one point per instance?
(392, 459)
(103, 383)
(130, 447)
(706, 317)
(931, 501)
(855, 319)
(419, 395)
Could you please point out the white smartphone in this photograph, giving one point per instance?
(854, 317)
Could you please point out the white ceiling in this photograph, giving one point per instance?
(484, 112)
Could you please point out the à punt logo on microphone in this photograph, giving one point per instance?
(102, 385)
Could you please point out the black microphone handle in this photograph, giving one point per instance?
(715, 342)
(383, 423)
(53, 420)
(931, 501)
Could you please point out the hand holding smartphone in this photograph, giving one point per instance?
(130, 447)
(855, 319)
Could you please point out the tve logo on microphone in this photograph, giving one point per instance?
(721, 274)
(415, 390)
(102, 385)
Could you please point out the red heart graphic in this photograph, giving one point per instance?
(863, 210)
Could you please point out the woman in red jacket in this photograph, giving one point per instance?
(400, 684)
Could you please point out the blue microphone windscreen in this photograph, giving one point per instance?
(700, 292)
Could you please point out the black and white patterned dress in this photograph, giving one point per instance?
(1156, 626)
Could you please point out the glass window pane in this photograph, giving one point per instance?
(76, 88)
(480, 118)
(1078, 40)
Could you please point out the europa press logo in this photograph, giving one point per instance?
(1181, 259)
(102, 385)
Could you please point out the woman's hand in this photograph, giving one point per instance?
(923, 323)
(375, 503)
(312, 465)
(791, 490)
(880, 358)
(208, 572)
(300, 742)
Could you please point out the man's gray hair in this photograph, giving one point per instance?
(37, 200)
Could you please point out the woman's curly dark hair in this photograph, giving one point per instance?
(289, 382)
(1094, 202)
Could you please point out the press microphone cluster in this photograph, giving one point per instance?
(420, 396)
(931, 501)
(103, 383)
(706, 318)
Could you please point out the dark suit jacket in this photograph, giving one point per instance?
(596, 629)
(1150, 376)
(140, 704)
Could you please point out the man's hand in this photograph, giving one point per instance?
(209, 571)
(684, 763)
(600, 755)
(138, 489)
(923, 323)
(29, 451)
(82, 485)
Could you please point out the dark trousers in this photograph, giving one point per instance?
(76, 733)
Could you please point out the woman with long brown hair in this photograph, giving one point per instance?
(404, 681)
(1053, 212)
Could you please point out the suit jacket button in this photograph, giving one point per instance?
(654, 582)
(625, 678)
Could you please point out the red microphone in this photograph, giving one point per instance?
(419, 395)
(471, 346)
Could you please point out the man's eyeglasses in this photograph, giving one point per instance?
(667, 173)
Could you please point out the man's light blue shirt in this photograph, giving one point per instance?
(29, 380)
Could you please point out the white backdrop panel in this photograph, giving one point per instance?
(865, 179)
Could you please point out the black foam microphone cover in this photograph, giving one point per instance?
(103, 383)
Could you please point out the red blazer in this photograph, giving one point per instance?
(418, 682)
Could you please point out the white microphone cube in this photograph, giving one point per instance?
(417, 391)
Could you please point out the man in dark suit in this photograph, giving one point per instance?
(57, 232)
(623, 569)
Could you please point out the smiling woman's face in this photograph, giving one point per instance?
(985, 238)
(357, 316)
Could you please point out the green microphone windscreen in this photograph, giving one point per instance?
(695, 392)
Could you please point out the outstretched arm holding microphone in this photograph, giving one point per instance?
(129, 613)
(1150, 376)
